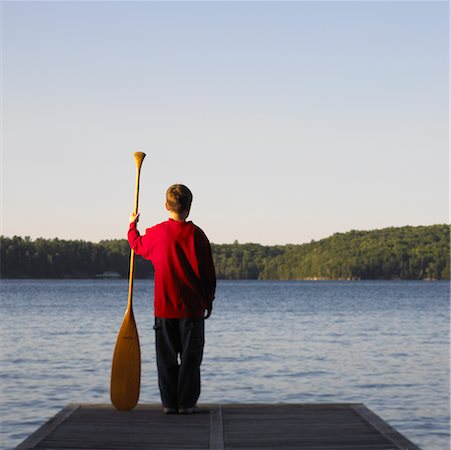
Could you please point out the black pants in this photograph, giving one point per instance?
(179, 347)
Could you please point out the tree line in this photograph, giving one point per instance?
(406, 253)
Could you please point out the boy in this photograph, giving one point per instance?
(185, 283)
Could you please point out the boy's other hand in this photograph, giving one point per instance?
(208, 314)
(134, 218)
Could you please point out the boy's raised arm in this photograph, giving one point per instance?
(137, 242)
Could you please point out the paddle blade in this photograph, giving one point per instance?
(126, 369)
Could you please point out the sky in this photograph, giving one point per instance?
(289, 121)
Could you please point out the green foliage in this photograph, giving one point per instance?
(413, 253)
(407, 253)
(55, 258)
(242, 261)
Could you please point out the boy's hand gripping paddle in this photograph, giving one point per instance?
(126, 369)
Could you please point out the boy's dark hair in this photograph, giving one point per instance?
(179, 198)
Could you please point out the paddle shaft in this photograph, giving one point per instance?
(139, 157)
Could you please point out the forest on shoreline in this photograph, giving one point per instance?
(396, 253)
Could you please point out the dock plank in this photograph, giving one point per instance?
(219, 427)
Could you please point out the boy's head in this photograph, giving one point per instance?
(179, 198)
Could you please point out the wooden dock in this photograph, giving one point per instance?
(214, 426)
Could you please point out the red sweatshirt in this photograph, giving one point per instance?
(185, 278)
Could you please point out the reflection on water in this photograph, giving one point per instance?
(384, 344)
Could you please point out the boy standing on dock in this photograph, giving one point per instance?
(185, 283)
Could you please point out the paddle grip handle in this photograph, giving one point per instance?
(139, 157)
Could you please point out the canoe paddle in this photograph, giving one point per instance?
(126, 368)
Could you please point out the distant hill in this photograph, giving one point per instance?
(406, 253)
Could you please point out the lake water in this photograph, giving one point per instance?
(384, 344)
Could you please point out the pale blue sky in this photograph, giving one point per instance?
(290, 121)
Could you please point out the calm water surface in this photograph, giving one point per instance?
(385, 344)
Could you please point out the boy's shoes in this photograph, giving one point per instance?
(168, 410)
